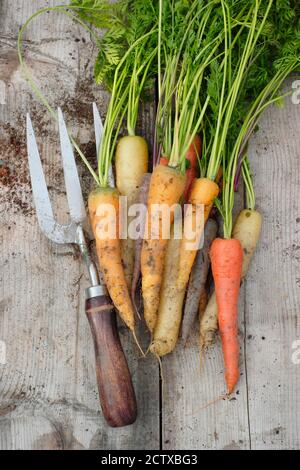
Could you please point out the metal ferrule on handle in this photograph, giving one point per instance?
(95, 291)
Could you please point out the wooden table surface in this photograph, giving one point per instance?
(48, 394)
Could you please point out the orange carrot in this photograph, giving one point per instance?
(219, 181)
(226, 260)
(192, 171)
(219, 178)
(164, 161)
(203, 192)
(246, 229)
(166, 187)
(106, 232)
(191, 175)
(194, 151)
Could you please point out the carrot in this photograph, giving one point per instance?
(106, 234)
(194, 151)
(164, 161)
(198, 279)
(191, 175)
(219, 180)
(192, 172)
(170, 305)
(203, 192)
(226, 259)
(131, 164)
(247, 230)
(166, 187)
(142, 199)
(203, 302)
(219, 177)
(171, 298)
(209, 322)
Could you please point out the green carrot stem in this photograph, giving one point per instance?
(247, 177)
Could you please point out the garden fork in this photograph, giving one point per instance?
(115, 387)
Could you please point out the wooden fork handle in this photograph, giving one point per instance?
(116, 392)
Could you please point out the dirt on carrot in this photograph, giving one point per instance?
(142, 199)
(105, 228)
(197, 279)
(203, 193)
(166, 188)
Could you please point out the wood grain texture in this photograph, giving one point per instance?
(193, 415)
(265, 413)
(48, 391)
(272, 285)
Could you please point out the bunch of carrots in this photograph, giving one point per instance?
(216, 66)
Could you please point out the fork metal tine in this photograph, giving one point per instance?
(98, 126)
(38, 182)
(55, 232)
(73, 188)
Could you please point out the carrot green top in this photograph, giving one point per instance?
(188, 39)
(257, 58)
(220, 63)
(126, 52)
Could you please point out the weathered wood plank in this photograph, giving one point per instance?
(269, 303)
(48, 394)
(191, 419)
(272, 302)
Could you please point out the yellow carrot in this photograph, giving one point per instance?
(166, 187)
(170, 306)
(131, 164)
